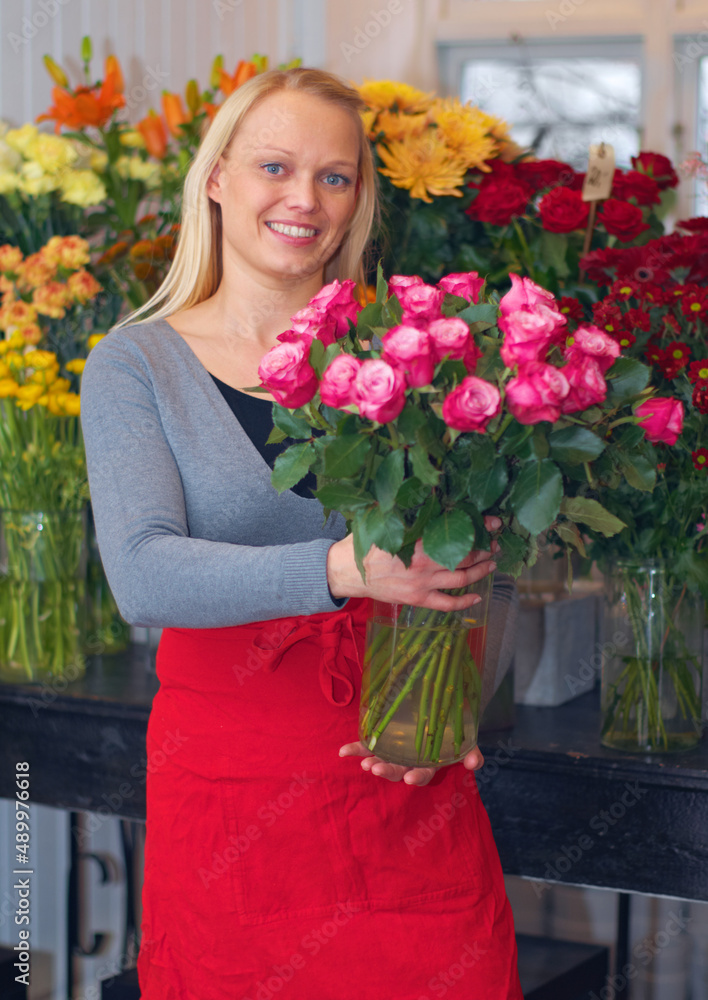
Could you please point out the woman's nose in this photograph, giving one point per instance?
(302, 194)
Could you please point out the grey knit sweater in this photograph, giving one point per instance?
(191, 532)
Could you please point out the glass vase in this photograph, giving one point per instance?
(42, 595)
(420, 697)
(106, 631)
(652, 660)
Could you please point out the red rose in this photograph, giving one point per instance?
(380, 391)
(563, 210)
(540, 174)
(636, 185)
(337, 385)
(657, 166)
(661, 419)
(586, 381)
(409, 349)
(623, 220)
(536, 393)
(287, 374)
(471, 405)
(498, 202)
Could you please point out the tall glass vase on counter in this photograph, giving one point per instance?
(652, 660)
(106, 631)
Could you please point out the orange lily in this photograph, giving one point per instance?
(244, 71)
(153, 131)
(174, 112)
(87, 105)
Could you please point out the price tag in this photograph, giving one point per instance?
(600, 173)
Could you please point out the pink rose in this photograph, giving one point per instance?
(592, 341)
(451, 338)
(662, 419)
(420, 303)
(471, 405)
(337, 301)
(409, 349)
(529, 333)
(399, 281)
(586, 381)
(314, 323)
(337, 385)
(380, 391)
(524, 294)
(537, 393)
(466, 285)
(287, 374)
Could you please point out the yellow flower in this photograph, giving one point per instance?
(10, 257)
(88, 157)
(83, 188)
(8, 387)
(384, 94)
(94, 339)
(467, 131)
(45, 378)
(132, 139)
(4, 369)
(61, 385)
(424, 165)
(136, 169)
(400, 126)
(17, 313)
(368, 118)
(28, 333)
(76, 365)
(8, 182)
(71, 252)
(10, 159)
(82, 286)
(27, 395)
(33, 180)
(41, 359)
(64, 404)
(20, 138)
(52, 152)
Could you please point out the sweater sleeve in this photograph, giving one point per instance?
(161, 576)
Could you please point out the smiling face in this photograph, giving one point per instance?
(287, 188)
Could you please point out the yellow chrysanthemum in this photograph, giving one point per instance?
(382, 95)
(76, 365)
(61, 385)
(94, 339)
(14, 359)
(10, 159)
(45, 378)
(4, 369)
(41, 359)
(20, 138)
(27, 395)
(83, 188)
(400, 126)
(34, 180)
(71, 252)
(466, 130)
(8, 387)
(136, 169)
(424, 165)
(53, 153)
(368, 117)
(64, 404)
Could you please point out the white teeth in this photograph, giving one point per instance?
(291, 230)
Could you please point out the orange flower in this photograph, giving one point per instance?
(30, 333)
(143, 248)
(51, 299)
(153, 131)
(112, 253)
(174, 112)
(244, 71)
(143, 270)
(70, 252)
(210, 109)
(83, 286)
(164, 246)
(35, 271)
(17, 313)
(87, 105)
(10, 257)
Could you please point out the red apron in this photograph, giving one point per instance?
(274, 867)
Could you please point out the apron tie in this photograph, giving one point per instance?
(340, 662)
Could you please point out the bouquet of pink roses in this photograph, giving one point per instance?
(424, 411)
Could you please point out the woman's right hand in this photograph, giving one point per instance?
(421, 584)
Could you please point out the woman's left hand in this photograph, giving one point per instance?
(397, 772)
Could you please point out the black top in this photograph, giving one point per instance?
(256, 417)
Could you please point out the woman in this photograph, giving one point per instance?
(271, 866)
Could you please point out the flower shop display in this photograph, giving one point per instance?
(655, 307)
(428, 409)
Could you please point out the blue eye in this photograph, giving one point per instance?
(272, 168)
(339, 180)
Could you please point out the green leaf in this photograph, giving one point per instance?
(591, 513)
(480, 312)
(639, 471)
(369, 317)
(291, 465)
(693, 567)
(423, 469)
(343, 497)
(317, 356)
(480, 453)
(627, 378)
(276, 436)
(389, 479)
(512, 553)
(536, 495)
(392, 313)
(373, 527)
(485, 488)
(292, 424)
(570, 534)
(449, 538)
(554, 248)
(574, 445)
(412, 493)
(381, 285)
(409, 422)
(514, 440)
(344, 457)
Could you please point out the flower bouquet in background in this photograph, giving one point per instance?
(421, 413)
(655, 307)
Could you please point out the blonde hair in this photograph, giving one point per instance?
(197, 269)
